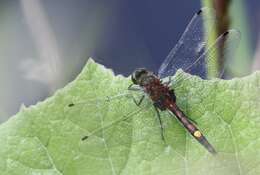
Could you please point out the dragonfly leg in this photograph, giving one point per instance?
(172, 94)
(133, 87)
(138, 102)
(160, 121)
(169, 81)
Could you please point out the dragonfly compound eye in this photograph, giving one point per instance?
(138, 74)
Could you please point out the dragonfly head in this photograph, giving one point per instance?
(139, 75)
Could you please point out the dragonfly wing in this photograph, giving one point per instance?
(106, 99)
(191, 44)
(228, 42)
(111, 124)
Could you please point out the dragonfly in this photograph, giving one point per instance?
(190, 54)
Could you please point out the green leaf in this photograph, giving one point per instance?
(46, 138)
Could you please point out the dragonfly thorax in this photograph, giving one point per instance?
(142, 77)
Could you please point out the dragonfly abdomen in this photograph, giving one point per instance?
(192, 129)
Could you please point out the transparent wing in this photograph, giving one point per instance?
(191, 44)
(101, 102)
(111, 124)
(96, 101)
(228, 41)
(123, 99)
(124, 94)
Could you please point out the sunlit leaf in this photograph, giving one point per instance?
(46, 138)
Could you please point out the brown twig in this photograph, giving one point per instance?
(222, 25)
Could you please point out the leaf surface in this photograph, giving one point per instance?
(46, 138)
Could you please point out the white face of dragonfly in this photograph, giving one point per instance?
(142, 77)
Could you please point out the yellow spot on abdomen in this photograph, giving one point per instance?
(197, 134)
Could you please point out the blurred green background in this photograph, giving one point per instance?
(45, 44)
